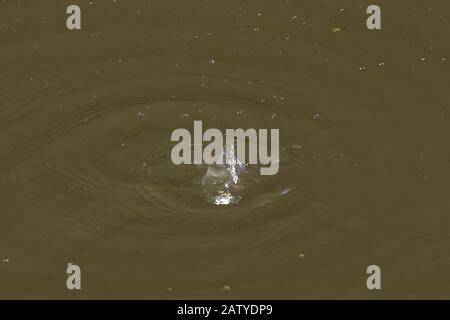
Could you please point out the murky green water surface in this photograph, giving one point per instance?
(85, 169)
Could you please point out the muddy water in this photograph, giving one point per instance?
(85, 169)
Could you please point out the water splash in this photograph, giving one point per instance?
(221, 181)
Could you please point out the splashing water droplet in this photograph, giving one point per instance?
(221, 181)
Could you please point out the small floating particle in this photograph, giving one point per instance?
(185, 115)
(226, 288)
(6, 260)
(122, 145)
(362, 68)
(169, 289)
(301, 255)
(316, 116)
(337, 29)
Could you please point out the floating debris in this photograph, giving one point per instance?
(337, 29)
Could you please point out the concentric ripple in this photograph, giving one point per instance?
(117, 150)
